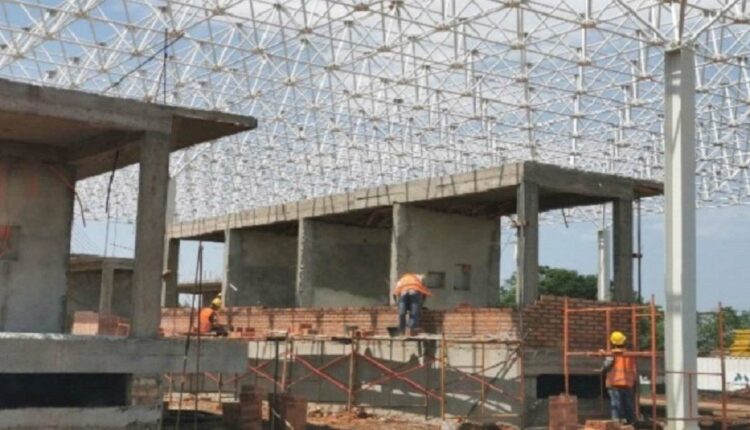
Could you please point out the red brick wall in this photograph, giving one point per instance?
(542, 322)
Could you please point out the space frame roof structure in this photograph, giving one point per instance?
(356, 93)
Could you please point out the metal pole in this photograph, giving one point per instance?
(652, 309)
(272, 405)
(352, 363)
(566, 371)
(680, 318)
(443, 361)
(723, 369)
(640, 250)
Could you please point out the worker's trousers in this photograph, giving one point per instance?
(622, 404)
(410, 302)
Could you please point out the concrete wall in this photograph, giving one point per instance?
(84, 291)
(342, 265)
(427, 241)
(263, 268)
(37, 198)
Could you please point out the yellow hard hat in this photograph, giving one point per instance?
(216, 302)
(617, 338)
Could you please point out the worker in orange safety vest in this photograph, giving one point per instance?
(622, 378)
(410, 293)
(207, 319)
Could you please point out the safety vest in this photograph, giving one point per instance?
(409, 282)
(204, 320)
(622, 374)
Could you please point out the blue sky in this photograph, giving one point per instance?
(723, 240)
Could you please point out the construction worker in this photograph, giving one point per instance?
(207, 319)
(411, 294)
(621, 378)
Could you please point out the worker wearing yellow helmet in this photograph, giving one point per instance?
(207, 319)
(621, 379)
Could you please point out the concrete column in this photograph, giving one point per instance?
(149, 234)
(679, 191)
(622, 238)
(305, 291)
(603, 293)
(527, 210)
(232, 249)
(107, 289)
(169, 297)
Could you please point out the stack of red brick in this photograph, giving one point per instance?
(93, 324)
(542, 322)
(605, 425)
(245, 414)
(563, 412)
(291, 411)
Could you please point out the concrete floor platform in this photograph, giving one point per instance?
(134, 417)
(63, 353)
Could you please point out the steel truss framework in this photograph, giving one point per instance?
(354, 93)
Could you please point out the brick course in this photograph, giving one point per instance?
(542, 322)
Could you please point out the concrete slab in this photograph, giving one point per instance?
(85, 130)
(62, 353)
(485, 192)
(140, 417)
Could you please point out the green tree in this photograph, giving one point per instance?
(708, 328)
(553, 281)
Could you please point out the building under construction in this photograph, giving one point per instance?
(330, 147)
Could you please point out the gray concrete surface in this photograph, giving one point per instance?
(263, 268)
(62, 353)
(456, 248)
(149, 235)
(84, 293)
(38, 200)
(103, 418)
(342, 265)
(527, 259)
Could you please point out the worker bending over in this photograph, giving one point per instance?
(207, 319)
(411, 294)
(621, 379)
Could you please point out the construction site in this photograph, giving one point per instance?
(333, 215)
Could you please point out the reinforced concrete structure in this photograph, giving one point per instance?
(49, 139)
(349, 249)
(99, 284)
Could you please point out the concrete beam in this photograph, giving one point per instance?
(527, 211)
(149, 234)
(576, 182)
(622, 241)
(63, 353)
(680, 349)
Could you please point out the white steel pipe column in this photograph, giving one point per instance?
(680, 318)
(603, 279)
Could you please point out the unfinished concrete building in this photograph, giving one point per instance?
(49, 139)
(349, 249)
(321, 271)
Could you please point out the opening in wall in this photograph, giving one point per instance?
(581, 386)
(41, 390)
